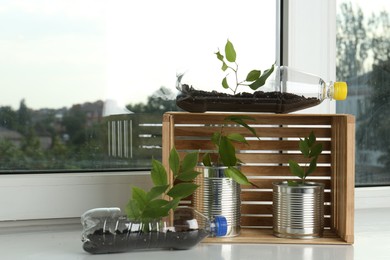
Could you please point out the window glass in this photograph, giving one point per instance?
(363, 60)
(85, 82)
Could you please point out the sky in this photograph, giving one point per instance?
(56, 53)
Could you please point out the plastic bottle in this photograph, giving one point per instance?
(285, 91)
(106, 230)
(299, 90)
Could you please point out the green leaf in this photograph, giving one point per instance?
(174, 161)
(257, 84)
(312, 139)
(207, 159)
(158, 173)
(227, 152)
(261, 81)
(158, 203)
(216, 138)
(296, 169)
(268, 72)
(188, 176)
(172, 204)
(237, 176)
(140, 196)
(230, 52)
(312, 167)
(132, 210)
(240, 120)
(225, 83)
(237, 138)
(224, 66)
(182, 190)
(292, 183)
(156, 191)
(253, 75)
(156, 209)
(304, 147)
(316, 150)
(189, 162)
(221, 57)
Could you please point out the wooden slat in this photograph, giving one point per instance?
(271, 145)
(267, 184)
(263, 132)
(276, 170)
(265, 119)
(277, 158)
(343, 132)
(149, 130)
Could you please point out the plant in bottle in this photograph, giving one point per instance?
(254, 79)
(163, 197)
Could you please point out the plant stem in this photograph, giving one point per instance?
(236, 74)
(219, 143)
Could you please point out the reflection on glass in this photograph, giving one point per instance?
(363, 60)
(85, 82)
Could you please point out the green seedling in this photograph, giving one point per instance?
(254, 79)
(311, 150)
(163, 197)
(226, 152)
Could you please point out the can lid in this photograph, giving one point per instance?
(340, 90)
(221, 226)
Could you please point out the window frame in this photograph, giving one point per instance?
(68, 195)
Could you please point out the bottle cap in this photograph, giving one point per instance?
(340, 90)
(221, 226)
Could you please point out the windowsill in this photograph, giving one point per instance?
(372, 234)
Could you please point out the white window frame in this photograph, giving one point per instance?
(309, 45)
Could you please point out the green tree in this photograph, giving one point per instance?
(10, 155)
(33, 155)
(379, 37)
(8, 118)
(23, 118)
(75, 123)
(160, 101)
(352, 48)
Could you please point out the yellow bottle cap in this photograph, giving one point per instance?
(340, 90)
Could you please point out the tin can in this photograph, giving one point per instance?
(298, 211)
(218, 195)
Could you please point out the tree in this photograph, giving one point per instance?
(23, 118)
(8, 118)
(363, 49)
(75, 123)
(352, 47)
(160, 101)
(379, 36)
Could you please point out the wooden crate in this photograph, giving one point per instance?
(265, 161)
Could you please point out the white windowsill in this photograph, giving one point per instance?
(372, 237)
(372, 197)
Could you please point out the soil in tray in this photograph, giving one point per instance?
(102, 243)
(192, 100)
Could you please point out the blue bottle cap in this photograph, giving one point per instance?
(221, 226)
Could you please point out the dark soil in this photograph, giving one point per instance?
(199, 101)
(102, 243)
